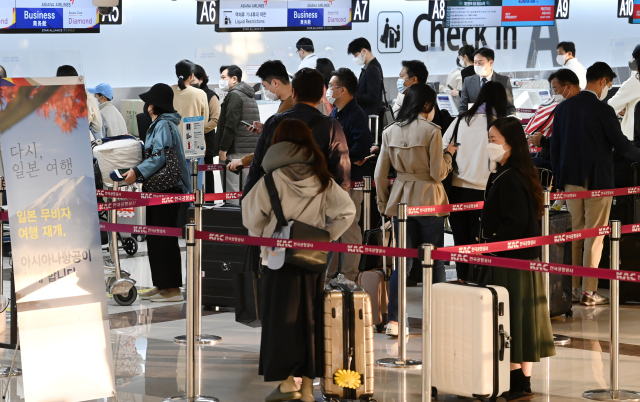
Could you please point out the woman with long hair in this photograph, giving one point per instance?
(326, 68)
(472, 164)
(200, 80)
(413, 146)
(512, 210)
(292, 301)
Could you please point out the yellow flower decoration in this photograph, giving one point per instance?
(347, 379)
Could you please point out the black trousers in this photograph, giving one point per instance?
(164, 251)
(208, 176)
(292, 324)
(465, 225)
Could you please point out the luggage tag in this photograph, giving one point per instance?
(277, 254)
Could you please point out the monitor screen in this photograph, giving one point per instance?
(260, 15)
(500, 13)
(635, 16)
(42, 16)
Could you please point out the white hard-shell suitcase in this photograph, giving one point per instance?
(123, 152)
(348, 341)
(470, 340)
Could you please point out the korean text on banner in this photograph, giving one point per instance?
(55, 236)
(193, 137)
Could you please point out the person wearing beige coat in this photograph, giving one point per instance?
(413, 147)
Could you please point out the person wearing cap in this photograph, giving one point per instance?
(164, 252)
(112, 120)
(305, 52)
(625, 100)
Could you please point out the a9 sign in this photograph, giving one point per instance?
(562, 9)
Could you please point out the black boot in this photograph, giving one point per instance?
(527, 385)
(520, 386)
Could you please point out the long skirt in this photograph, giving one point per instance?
(531, 334)
(292, 324)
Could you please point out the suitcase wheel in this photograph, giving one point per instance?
(128, 299)
(130, 246)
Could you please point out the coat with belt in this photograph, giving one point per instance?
(585, 133)
(626, 98)
(239, 105)
(471, 89)
(331, 210)
(415, 151)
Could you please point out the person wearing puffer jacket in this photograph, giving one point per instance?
(164, 252)
(236, 141)
(292, 301)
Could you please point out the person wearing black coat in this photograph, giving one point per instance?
(512, 210)
(369, 93)
(586, 132)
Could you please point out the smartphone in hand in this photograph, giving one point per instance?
(249, 125)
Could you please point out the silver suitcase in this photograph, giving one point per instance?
(348, 341)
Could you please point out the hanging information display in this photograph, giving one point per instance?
(37, 16)
(500, 13)
(261, 15)
(193, 137)
(55, 240)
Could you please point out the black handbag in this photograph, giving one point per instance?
(311, 260)
(168, 176)
(448, 181)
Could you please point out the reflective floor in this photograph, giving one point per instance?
(151, 367)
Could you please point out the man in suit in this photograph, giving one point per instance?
(369, 92)
(483, 66)
(585, 133)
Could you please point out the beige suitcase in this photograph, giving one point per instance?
(348, 341)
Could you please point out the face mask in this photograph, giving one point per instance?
(330, 97)
(224, 85)
(633, 64)
(496, 152)
(401, 87)
(560, 98)
(195, 85)
(480, 70)
(145, 110)
(460, 61)
(271, 95)
(359, 60)
(561, 59)
(605, 91)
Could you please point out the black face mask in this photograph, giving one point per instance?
(196, 85)
(145, 110)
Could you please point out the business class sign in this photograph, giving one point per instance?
(42, 16)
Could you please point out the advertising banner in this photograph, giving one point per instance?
(55, 239)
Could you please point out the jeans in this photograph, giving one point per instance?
(420, 230)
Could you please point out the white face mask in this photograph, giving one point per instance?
(560, 98)
(496, 152)
(561, 59)
(330, 97)
(271, 95)
(224, 85)
(481, 71)
(360, 60)
(605, 92)
(401, 87)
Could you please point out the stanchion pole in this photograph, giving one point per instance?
(366, 209)
(375, 119)
(113, 245)
(402, 361)
(194, 174)
(559, 340)
(427, 279)
(200, 338)
(614, 393)
(191, 386)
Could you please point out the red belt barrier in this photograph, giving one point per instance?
(222, 196)
(436, 209)
(526, 265)
(616, 192)
(131, 195)
(627, 229)
(178, 198)
(307, 245)
(211, 168)
(143, 230)
(530, 242)
(4, 215)
(360, 184)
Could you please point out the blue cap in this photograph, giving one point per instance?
(104, 89)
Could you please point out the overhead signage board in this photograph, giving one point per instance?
(635, 15)
(115, 18)
(270, 15)
(37, 16)
(500, 13)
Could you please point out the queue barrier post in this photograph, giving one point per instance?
(366, 209)
(197, 289)
(614, 393)
(374, 120)
(427, 280)
(401, 361)
(559, 340)
(193, 351)
(193, 168)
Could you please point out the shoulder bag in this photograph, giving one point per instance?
(448, 181)
(168, 176)
(388, 117)
(311, 260)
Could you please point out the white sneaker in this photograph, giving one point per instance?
(576, 294)
(166, 296)
(392, 330)
(343, 279)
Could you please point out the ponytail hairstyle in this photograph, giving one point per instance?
(184, 70)
(297, 133)
(511, 129)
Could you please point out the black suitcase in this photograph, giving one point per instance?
(629, 255)
(560, 298)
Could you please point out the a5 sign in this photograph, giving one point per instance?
(562, 10)
(207, 12)
(115, 18)
(625, 8)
